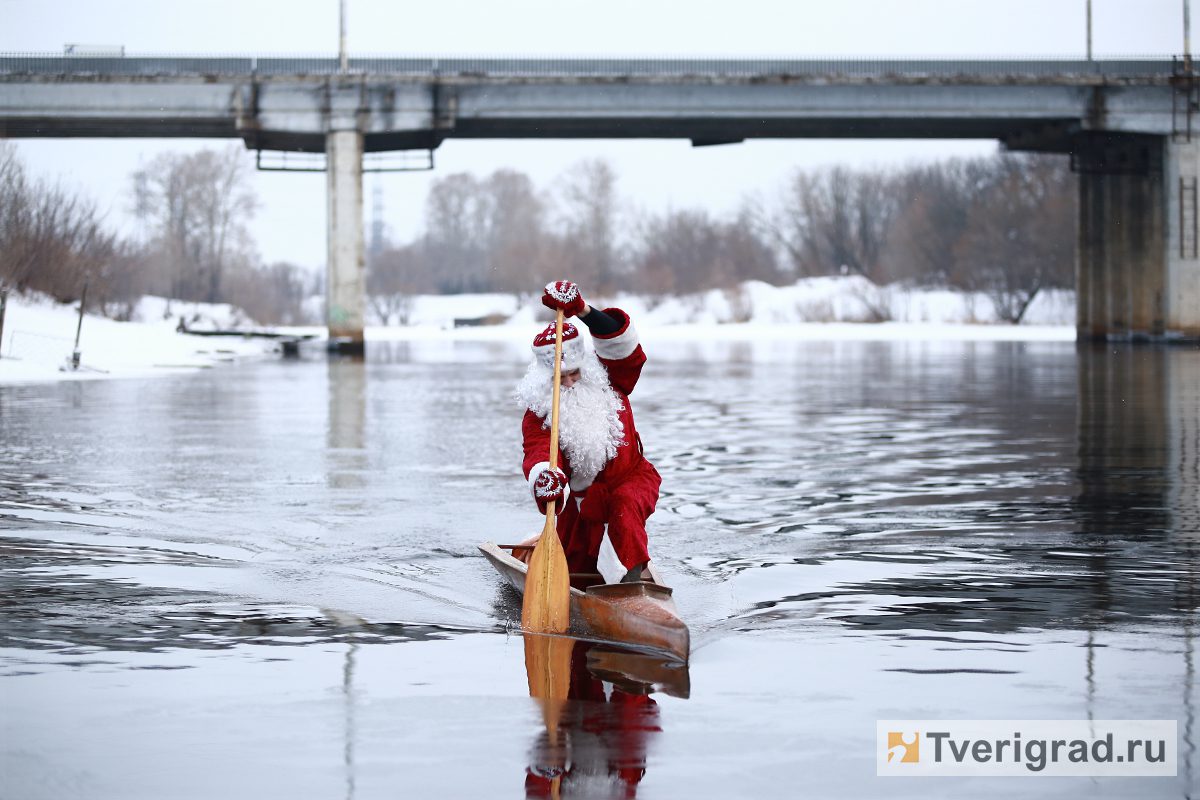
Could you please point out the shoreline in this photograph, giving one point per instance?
(39, 334)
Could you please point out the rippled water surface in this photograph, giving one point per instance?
(262, 580)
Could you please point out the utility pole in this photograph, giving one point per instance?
(1187, 39)
(1089, 30)
(343, 58)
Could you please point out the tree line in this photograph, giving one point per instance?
(192, 242)
(1003, 225)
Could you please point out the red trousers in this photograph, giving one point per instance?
(631, 501)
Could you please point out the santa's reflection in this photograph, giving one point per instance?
(600, 718)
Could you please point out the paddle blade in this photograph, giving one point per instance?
(546, 607)
(548, 667)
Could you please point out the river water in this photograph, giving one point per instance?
(262, 580)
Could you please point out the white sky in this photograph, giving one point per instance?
(654, 174)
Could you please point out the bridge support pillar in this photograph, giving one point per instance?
(1138, 269)
(345, 298)
(1182, 282)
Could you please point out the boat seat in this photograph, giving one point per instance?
(629, 589)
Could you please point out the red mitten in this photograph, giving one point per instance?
(564, 295)
(551, 486)
(594, 507)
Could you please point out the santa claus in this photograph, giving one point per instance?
(604, 489)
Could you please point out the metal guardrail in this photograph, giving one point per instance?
(236, 66)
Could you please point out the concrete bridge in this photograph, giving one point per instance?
(1130, 127)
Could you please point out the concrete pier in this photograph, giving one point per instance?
(346, 273)
(1138, 268)
(1181, 283)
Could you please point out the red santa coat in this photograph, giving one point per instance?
(630, 480)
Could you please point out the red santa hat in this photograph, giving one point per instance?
(573, 349)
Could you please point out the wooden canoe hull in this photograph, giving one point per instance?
(642, 615)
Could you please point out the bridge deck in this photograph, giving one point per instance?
(1139, 69)
(286, 103)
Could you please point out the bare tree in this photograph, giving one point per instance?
(688, 251)
(487, 234)
(1020, 233)
(394, 275)
(196, 207)
(748, 254)
(589, 211)
(272, 295)
(455, 233)
(518, 241)
(675, 252)
(931, 216)
(123, 279)
(51, 239)
(836, 221)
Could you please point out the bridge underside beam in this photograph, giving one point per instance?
(694, 129)
(1138, 269)
(291, 112)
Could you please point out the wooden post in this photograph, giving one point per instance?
(79, 327)
(3, 306)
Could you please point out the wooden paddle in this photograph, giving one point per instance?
(548, 667)
(546, 607)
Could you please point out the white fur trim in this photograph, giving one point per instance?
(620, 346)
(608, 563)
(573, 353)
(570, 293)
(590, 428)
(582, 482)
(538, 469)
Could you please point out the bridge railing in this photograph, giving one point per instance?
(33, 64)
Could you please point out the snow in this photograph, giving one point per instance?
(851, 299)
(39, 334)
(39, 338)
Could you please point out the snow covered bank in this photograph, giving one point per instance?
(39, 337)
(850, 299)
(39, 334)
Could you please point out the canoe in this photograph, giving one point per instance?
(640, 615)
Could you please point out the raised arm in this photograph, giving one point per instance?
(617, 346)
(616, 340)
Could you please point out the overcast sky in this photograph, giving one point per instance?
(653, 174)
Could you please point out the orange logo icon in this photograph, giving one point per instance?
(904, 748)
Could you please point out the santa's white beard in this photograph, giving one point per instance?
(589, 422)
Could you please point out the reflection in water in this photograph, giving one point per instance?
(49, 604)
(983, 530)
(346, 432)
(1139, 487)
(348, 697)
(548, 669)
(599, 716)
